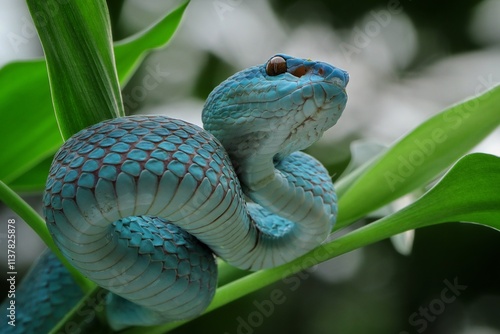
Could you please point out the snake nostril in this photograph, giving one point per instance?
(339, 76)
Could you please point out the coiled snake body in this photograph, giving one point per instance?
(140, 204)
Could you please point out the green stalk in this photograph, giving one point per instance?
(78, 48)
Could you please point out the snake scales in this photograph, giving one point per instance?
(141, 204)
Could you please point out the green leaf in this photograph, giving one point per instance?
(419, 156)
(33, 181)
(131, 51)
(78, 49)
(468, 192)
(29, 129)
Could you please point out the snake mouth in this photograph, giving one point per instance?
(314, 119)
(323, 103)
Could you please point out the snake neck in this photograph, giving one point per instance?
(263, 116)
(294, 206)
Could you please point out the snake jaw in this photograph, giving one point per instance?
(323, 100)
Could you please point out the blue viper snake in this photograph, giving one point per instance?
(141, 204)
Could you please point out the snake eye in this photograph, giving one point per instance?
(276, 65)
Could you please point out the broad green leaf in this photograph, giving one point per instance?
(79, 55)
(419, 156)
(34, 180)
(131, 51)
(28, 128)
(468, 192)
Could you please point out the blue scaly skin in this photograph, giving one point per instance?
(43, 298)
(140, 204)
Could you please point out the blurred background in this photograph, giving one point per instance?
(407, 61)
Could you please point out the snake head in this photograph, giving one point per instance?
(275, 108)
